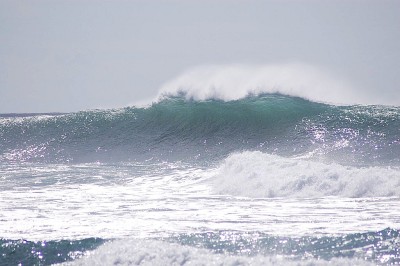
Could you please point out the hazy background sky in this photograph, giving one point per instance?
(74, 55)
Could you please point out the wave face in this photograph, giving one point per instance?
(203, 131)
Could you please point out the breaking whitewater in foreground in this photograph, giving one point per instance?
(262, 180)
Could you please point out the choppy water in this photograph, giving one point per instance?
(267, 179)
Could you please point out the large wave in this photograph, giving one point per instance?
(176, 128)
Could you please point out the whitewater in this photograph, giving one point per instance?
(225, 167)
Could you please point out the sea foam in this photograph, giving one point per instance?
(155, 252)
(257, 174)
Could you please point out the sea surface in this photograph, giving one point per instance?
(266, 179)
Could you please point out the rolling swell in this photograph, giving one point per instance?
(226, 247)
(202, 131)
(235, 248)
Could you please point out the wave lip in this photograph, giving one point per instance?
(257, 174)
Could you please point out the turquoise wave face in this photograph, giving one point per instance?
(204, 131)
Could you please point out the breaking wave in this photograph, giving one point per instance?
(181, 129)
(261, 175)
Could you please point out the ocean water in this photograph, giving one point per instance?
(266, 179)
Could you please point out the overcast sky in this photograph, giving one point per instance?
(74, 55)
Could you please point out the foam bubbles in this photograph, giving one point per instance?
(257, 174)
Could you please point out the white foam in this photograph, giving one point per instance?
(233, 82)
(152, 252)
(257, 174)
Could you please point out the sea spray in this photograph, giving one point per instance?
(235, 82)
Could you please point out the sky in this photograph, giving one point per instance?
(65, 56)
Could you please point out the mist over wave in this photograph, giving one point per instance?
(234, 82)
